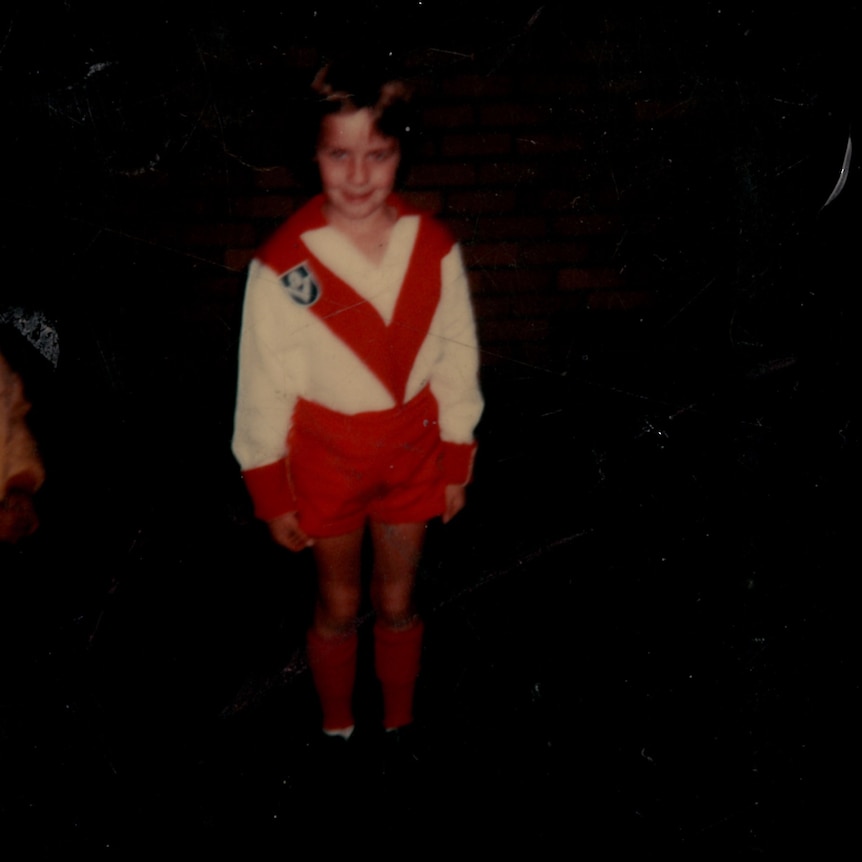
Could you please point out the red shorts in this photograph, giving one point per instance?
(384, 465)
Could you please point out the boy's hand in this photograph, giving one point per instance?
(285, 530)
(456, 499)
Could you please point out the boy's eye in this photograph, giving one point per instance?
(336, 154)
(381, 155)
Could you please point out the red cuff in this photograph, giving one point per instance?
(270, 491)
(458, 462)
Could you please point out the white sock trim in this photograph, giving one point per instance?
(344, 732)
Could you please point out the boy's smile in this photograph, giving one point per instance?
(357, 166)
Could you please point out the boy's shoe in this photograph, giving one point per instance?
(331, 760)
(401, 751)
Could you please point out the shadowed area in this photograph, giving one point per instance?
(640, 632)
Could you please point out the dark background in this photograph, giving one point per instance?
(641, 632)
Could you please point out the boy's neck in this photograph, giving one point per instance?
(369, 235)
(379, 222)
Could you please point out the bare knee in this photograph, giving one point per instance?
(336, 611)
(394, 606)
(397, 549)
(338, 584)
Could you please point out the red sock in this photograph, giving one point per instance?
(333, 669)
(396, 660)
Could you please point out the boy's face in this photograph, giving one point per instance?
(357, 165)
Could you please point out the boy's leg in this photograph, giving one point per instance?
(397, 629)
(332, 639)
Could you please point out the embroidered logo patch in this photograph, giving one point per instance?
(301, 286)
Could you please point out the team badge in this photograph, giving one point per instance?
(301, 286)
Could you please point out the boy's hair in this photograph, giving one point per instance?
(352, 83)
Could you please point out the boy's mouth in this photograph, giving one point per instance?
(356, 197)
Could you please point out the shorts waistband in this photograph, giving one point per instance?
(422, 407)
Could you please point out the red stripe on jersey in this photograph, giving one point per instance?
(388, 351)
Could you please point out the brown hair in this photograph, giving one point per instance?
(352, 83)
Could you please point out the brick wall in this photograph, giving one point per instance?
(600, 168)
(558, 166)
(512, 162)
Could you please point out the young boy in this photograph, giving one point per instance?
(358, 390)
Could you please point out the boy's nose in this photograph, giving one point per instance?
(358, 171)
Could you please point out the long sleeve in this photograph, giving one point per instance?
(454, 377)
(266, 395)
